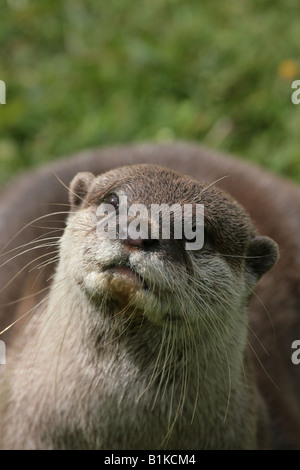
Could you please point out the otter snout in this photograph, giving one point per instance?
(140, 243)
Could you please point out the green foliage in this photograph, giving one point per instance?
(91, 73)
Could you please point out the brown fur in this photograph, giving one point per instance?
(272, 203)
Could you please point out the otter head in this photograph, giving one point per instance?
(161, 279)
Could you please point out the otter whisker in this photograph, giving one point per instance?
(56, 204)
(25, 314)
(21, 299)
(26, 251)
(156, 368)
(267, 312)
(33, 242)
(49, 321)
(161, 372)
(212, 184)
(28, 225)
(43, 265)
(22, 269)
(262, 366)
(68, 188)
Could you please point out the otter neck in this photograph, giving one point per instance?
(222, 350)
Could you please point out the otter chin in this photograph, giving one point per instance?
(142, 343)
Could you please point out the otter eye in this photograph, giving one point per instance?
(113, 200)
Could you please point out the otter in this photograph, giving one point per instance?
(141, 344)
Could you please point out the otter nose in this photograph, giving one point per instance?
(138, 242)
(142, 243)
(132, 238)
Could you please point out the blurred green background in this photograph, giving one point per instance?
(88, 73)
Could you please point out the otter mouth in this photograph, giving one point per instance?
(125, 286)
(127, 275)
(131, 293)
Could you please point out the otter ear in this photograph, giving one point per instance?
(79, 188)
(262, 254)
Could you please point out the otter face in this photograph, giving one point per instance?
(158, 278)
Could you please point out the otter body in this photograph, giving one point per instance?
(141, 344)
